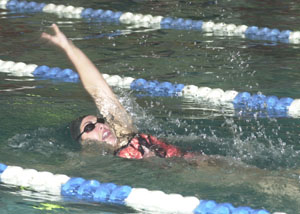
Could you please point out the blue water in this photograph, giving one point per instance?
(259, 157)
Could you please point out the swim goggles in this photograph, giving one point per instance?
(90, 127)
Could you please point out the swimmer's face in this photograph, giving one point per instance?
(101, 132)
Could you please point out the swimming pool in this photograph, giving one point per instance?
(33, 133)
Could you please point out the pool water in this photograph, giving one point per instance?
(255, 160)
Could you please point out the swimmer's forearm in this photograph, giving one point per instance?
(90, 76)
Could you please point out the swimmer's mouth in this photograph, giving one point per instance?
(106, 134)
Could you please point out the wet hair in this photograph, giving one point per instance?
(75, 128)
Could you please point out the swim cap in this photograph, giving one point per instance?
(75, 127)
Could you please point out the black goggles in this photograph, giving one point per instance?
(90, 127)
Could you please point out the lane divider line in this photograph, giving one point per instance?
(240, 102)
(157, 22)
(95, 191)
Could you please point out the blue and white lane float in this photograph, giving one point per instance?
(98, 192)
(239, 101)
(252, 32)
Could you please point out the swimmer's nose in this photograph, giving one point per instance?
(99, 125)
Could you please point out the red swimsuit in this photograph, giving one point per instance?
(134, 148)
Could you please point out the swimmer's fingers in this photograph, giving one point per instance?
(46, 36)
(58, 38)
(56, 29)
(50, 38)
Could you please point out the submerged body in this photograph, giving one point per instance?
(142, 145)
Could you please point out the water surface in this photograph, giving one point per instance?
(34, 122)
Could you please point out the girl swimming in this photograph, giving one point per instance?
(116, 129)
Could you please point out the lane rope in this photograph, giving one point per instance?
(271, 106)
(95, 191)
(157, 22)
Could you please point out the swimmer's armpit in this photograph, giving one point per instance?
(116, 116)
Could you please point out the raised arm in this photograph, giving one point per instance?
(95, 84)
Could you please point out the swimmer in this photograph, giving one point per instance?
(116, 129)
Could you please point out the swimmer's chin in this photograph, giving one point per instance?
(97, 147)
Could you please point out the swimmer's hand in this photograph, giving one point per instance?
(59, 39)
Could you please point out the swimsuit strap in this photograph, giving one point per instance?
(117, 151)
(152, 146)
(134, 149)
